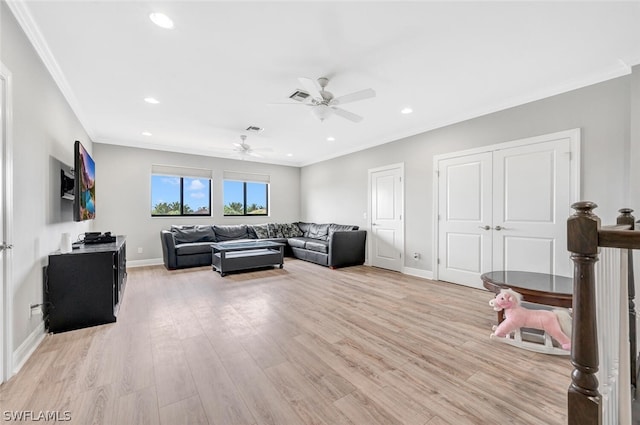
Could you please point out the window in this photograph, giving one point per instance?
(173, 193)
(245, 194)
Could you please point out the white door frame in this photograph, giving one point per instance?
(573, 135)
(369, 222)
(6, 191)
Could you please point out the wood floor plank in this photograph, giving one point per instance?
(221, 400)
(265, 403)
(304, 398)
(299, 345)
(184, 412)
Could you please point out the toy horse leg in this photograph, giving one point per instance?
(555, 331)
(504, 328)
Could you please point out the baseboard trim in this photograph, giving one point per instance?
(28, 346)
(142, 263)
(425, 274)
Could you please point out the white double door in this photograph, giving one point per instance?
(505, 209)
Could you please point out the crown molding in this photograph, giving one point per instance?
(20, 10)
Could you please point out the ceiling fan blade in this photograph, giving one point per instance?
(252, 153)
(346, 114)
(311, 87)
(354, 97)
(262, 149)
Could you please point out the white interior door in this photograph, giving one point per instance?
(6, 223)
(465, 218)
(506, 208)
(531, 204)
(3, 282)
(386, 210)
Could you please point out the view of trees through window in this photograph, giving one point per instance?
(245, 198)
(172, 195)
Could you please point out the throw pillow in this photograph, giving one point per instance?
(291, 230)
(261, 230)
(275, 230)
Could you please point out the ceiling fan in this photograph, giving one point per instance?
(323, 103)
(244, 150)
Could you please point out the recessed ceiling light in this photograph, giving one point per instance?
(331, 139)
(146, 133)
(289, 154)
(406, 110)
(151, 100)
(161, 20)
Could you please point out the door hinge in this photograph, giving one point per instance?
(400, 179)
(437, 173)
(400, 255)
(438, 217)
(438, 261)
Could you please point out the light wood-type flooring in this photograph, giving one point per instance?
(301, 345)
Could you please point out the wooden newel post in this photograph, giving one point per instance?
(625, 217)
(584, 400)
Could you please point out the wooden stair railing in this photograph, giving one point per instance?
(585, 236)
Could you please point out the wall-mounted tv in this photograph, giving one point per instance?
(85, 184)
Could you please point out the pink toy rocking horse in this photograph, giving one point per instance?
(556, 323)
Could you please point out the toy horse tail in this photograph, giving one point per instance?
(564, 318)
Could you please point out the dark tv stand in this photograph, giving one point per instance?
(85, 287)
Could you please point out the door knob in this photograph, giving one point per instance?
(485, 227)
(498, 228)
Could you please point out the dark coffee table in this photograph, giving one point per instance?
(233, 256)
(539, 288)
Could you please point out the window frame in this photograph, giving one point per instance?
(244, 199)
(182, 214)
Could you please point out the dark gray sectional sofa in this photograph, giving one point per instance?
(332, 245)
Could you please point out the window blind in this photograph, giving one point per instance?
(246, 177)
(171, 170)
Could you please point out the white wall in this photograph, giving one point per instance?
(44, 130)
(336, 190)
(123, 195)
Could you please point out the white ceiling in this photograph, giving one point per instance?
(222, 65)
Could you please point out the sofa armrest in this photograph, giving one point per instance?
(347, 248)
(168, 249)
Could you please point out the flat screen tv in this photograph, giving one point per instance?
(85, 184)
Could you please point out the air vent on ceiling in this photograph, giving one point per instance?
(254, 129)
(299, 95)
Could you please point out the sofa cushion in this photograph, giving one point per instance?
(304, 228)
(340, 228)
(232, 232)
(261, 230)
(193, 248)
(291, 230)
(275, 230)
(297, 242)
(317, 245)
(319, 231)
(188, 234)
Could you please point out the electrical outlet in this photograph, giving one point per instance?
(416, 255)
(140, 250)
(35, 310)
